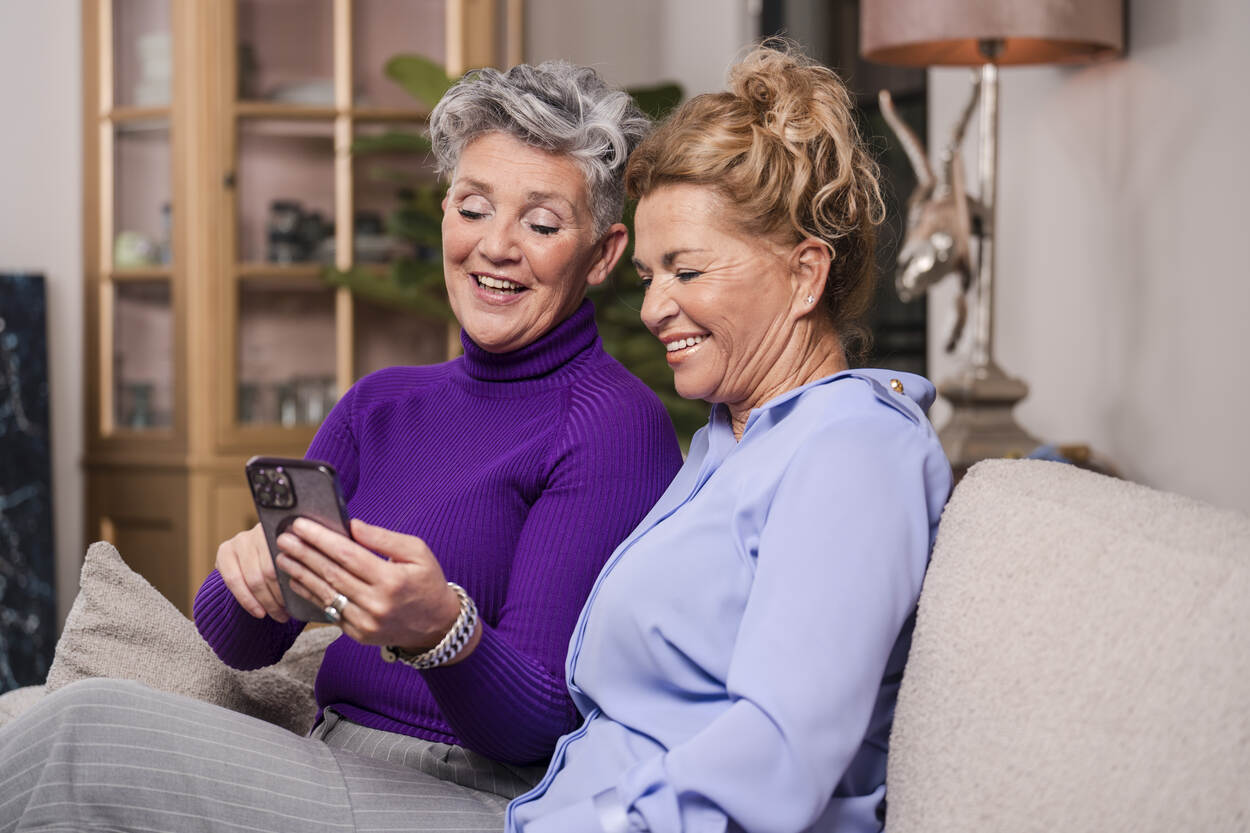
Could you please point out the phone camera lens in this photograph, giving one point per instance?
(273, 488)
(285, 494)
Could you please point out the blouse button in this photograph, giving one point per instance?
(896, 386)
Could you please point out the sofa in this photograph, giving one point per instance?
(1081, 660)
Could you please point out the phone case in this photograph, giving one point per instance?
(286, 488)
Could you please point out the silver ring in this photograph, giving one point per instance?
(334, 610)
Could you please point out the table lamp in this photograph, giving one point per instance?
(987, 34)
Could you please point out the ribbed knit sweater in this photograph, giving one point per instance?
(522, 471)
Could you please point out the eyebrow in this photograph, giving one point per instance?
(668, 259)
(478, 185)
(531, 197)
(541, 196)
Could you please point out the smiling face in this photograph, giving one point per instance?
(519, 245)
(729, 308)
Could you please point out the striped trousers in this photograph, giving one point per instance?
(113, 755)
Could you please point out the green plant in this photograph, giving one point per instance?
(413, 278)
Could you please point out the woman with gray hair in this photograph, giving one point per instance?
(486, 494)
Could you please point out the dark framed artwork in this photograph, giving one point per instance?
(27, 594)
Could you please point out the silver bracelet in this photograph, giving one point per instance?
(449, 647)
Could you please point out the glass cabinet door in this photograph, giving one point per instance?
(285, 191)
(382, 29)
(286, 52)
(143, 57)
(136, 169)
(397, 218)
(142, 355)
(142, 197)
(285, 368)
(286, 362)
(308, 81)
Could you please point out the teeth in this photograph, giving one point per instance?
(683, 343)
(498, 283)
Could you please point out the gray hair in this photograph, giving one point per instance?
(554, 106)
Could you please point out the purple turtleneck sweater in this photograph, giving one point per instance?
(522, 471)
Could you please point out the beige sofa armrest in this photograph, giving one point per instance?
(1081, 661)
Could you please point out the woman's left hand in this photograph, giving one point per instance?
(400, 599)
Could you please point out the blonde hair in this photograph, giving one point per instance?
(781, 146)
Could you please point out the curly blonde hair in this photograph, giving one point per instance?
(781, 146)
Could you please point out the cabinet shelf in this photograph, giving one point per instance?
(273, 110)
(140, 273)
(277, 110)
(137, 117)
(281, 272)
(380, 115)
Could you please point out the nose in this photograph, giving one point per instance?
(499, 241)
(658, 305)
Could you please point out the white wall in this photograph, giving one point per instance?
(643, 42)
(1123, 264)
(41, 228)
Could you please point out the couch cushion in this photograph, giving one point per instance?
(121, 626)
(1081, 661)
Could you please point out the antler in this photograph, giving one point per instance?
(911, 143)
(961, 126)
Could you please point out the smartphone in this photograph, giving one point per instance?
(286, 488)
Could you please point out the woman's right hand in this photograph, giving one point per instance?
(247, 569)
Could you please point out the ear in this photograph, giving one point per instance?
(809, 270)
(611, 247)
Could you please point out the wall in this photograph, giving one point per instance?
(644, 42)
(1123, 286)
(41, 228)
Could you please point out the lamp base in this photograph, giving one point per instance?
(981, 425)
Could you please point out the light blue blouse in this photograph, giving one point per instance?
(738, 658)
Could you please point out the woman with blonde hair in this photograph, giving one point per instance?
(739, 657)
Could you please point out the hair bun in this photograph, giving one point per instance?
(773, 82)
(759, 92)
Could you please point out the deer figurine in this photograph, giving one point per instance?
(940, 216)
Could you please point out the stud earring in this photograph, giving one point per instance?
(811, 298)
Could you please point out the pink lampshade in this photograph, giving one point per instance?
(923, 33)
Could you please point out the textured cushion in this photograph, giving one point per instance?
(120, 626)
(1081, 662)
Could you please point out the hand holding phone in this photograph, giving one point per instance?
(286, 488)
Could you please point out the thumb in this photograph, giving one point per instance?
(392, 545)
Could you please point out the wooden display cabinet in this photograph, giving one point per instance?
(219, 184)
